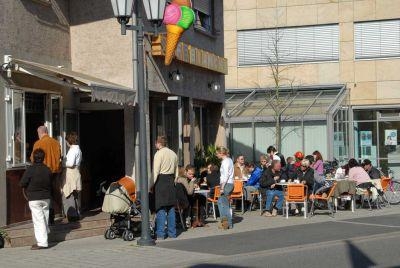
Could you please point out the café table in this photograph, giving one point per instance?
(196, 207)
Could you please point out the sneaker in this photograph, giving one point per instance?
(267, 214)
(223, 224)
(274, 213)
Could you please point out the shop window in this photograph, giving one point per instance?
(25, 112)
(203, 11)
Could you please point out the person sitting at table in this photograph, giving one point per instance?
(305, 174)
(361, 177)
(318, 163)
(184, 185)
(374, 174)
(239, 171)
(212, 177)
(264, 162)
(252, 183)
(268, 183)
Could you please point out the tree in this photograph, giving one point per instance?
(282, 93)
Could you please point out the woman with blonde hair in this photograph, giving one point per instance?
(226, 187)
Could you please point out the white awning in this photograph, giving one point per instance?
(100, 90)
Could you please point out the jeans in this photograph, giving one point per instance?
(270, 195)
(166, 213)
(40, 219)
(223, 204)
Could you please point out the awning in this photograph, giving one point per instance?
(100, 90)
(299, 103)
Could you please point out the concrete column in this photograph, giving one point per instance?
(3, 149)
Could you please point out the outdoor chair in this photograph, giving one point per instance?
(213, 200)
(238, 193)
(296, 194)
(320, 197)
(385, 183)
(347, 197)
(256, 196)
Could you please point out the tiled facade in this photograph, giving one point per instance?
(368, 81)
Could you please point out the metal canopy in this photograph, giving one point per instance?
(299, 103)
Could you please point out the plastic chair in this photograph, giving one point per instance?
(296, 193)
(385, 183)
(213, 200)
(238, 193)
(320, 197)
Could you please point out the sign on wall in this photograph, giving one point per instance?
(366, 138)
(390, 136)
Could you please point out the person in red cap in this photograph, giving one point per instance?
(298, 157)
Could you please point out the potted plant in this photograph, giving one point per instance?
(3, 238)
(204, 156)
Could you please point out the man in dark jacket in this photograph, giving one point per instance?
(372, 171)
(268, 182)
(305, 174)
(36, 182)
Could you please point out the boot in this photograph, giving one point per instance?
(223, 224)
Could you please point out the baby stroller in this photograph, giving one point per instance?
(120, 201)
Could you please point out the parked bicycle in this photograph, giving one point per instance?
(392, 193)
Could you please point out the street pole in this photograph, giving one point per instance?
(145, 238)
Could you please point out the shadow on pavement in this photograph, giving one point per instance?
(202, 265)
(358, 258)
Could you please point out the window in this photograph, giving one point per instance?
(377, 39)
(25, 111)
(203, 11)
(289, 45)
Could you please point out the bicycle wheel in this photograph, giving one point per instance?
(393, 193)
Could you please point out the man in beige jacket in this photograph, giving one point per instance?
(165, 170)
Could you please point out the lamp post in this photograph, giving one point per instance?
(154, 11)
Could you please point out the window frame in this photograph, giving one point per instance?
(197, 23)
(10, 122)
(376, 57)
(263, 35)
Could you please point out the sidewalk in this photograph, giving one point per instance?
(98, 252)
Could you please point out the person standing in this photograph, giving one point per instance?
(226, 187)
(52, 150)
(275, 155)
(71, 180)
(36, 183)
(165, 170)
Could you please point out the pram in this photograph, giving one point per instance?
(120, 201)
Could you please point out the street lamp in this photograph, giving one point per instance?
(155, 12)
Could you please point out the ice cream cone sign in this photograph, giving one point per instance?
(178, 17)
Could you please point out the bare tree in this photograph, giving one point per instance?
(282, 93)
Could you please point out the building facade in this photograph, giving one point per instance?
(67, 66)
(346, 49)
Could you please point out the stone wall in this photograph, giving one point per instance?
(369, 81)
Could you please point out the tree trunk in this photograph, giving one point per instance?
(278, 133)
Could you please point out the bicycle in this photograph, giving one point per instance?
(392, 194)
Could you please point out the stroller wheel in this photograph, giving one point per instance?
(127, 235)
(109, 234)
